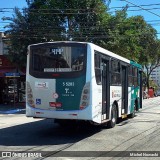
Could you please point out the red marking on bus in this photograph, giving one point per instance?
(55, 104)
(58, 104)
(52, 104)
(39, 112)
(82, 107)
(74, 114)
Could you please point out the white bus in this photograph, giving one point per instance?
(81, 81)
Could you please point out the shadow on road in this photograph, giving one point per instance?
(44, 132)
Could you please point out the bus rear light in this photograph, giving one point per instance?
(84, 103)
(85, 97)
(29, 90)
(30, 101)
(82, 107)
(29, 95)
(86, 91)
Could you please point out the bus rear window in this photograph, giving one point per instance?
(57, 59)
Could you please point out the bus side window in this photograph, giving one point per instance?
(130, 78)
(135, 77)
(115, 73)
(98, 73)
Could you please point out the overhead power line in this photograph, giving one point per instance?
(142, 8)
(77, 11)
(148, 9)
(147, 5)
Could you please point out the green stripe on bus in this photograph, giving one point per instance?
(69, 91)
(134, 96)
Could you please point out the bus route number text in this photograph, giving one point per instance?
(67, 90)
(68, 84)
(56, 51)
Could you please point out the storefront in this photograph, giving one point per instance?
(12, 83)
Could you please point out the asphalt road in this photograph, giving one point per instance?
(129, 137)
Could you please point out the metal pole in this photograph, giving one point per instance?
(14, 89)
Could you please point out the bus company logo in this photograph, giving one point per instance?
(43, 85)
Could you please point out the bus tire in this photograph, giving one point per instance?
(113, 121)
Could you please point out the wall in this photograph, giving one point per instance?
(1, 43)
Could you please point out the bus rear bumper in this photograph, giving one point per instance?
(75, 114)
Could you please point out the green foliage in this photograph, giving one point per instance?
(85, 20)
(17, 44)
(67, 19)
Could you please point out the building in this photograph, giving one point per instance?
(155, 75)
(1, 43)
(12, 79)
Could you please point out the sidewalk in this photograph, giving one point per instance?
(18, 108)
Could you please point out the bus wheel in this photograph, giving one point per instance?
(113, 120)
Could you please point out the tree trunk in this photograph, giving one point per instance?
(147, 82)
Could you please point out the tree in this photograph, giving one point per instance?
(150, 53)
(85, 20)
(17, 44)
(52, 20)
(134, 39)
(67, 19)
(45, 21)
(28, 28)
(150, 59)
(124, 35)
(89, 24)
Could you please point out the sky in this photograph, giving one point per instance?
(152, 15)
(6, 11)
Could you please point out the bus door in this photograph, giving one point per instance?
(124, 90)
(105, 90)
(140, 84)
